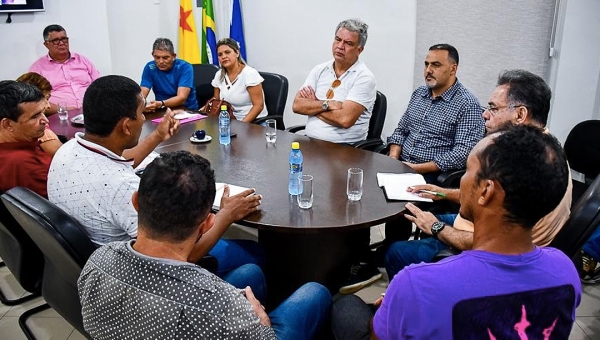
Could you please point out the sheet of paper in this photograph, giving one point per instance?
(233, 190)
(395, 186)
(147, 160)
(185, 115)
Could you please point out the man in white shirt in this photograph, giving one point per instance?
(338, 95)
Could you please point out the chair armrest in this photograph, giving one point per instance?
(278, 118)
(295, 128)
(445, 253)
(371, 144)
(450, 179)
(383, 149)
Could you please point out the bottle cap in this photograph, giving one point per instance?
(223, 107)
(295, 145)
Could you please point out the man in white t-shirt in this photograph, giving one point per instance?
(338, 95)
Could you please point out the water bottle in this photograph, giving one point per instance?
(296, 161)
(224, 126)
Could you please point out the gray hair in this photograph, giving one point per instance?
(163, 44)
(357, 26)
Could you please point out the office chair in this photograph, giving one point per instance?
(65, 246)
(373, 141)
(582, 147)
(203, 75)
(275, 88)
(22, 257)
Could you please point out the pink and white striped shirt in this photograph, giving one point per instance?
(69, 80)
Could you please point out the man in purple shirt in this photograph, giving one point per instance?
(505, 287)
(69, 73)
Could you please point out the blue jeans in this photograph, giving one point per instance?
(592, 245)
(249, 275)
(301, 315)
(403, 253)
(232, 254)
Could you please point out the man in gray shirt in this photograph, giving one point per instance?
(146, 289)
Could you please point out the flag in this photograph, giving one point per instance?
(209, 37)
(188, 37)
(236, 27)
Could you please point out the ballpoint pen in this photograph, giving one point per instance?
(433, 193)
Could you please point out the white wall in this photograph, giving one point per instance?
(576, 67)
(290, 37)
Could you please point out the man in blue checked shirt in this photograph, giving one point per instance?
(443, 120)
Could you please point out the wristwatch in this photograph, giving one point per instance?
(325, 105)
(436, 228)
(163, 104)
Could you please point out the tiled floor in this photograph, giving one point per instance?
(49, 325)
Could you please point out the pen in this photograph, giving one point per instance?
(433, 193)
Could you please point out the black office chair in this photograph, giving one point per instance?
(22, 257)
(582, 147)
(65, 246)
(203, 75)
(373, 141)
(275, 88)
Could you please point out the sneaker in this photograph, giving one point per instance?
(590, 272)
(361, 275)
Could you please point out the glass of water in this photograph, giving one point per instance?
(305, 197)
(62, 111)
(354, 188)
(271, 130)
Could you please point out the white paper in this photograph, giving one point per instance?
(185, 115)
(220, 187)
(147, 160)
(395, 186)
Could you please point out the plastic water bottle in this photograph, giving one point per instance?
(224, 126)
(296, 161)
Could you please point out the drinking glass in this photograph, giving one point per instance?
(305, 197)
(271, 130)
(63, 113)
(354, 188)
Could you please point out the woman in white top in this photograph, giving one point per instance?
(238, 83)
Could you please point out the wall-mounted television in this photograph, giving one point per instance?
(15, 6)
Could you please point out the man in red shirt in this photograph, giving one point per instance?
(22, 122)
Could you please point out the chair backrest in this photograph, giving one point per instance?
(275, 88)
(378, 116)
(203, 75)
(64, 243)
(20, 254)
(582, 147)
(582, 222)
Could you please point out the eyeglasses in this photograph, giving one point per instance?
(495, 109)
(64, 40)
(335, 84)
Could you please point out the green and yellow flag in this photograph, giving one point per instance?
(209, 37)
(188, 38)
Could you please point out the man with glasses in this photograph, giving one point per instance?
(520, 98)
(338, 95)
(171, 79)
(69, 73)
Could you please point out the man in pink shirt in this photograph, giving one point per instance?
(69, 73)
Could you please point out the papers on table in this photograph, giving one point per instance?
(147, 161)
(395, 186)
(233, 190)
(185, 115)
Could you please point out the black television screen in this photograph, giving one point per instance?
(14, 6)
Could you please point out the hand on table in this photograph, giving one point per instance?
(423, 219)
(258, 309)
(416, 189)
(152, 106)
(239, 206)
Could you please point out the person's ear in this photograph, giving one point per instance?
(124, 124)
(208, 223)
(453, 68)
(6, 124)
(522, 114)
(486, 192)
(134, 201)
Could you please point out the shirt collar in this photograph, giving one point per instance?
(99, 149)
(447, 95)
(351, 69)
(71, 57)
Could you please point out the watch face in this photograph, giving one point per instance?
(437, 227)
(325, 105)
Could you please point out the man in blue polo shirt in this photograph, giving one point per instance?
(171, 79)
